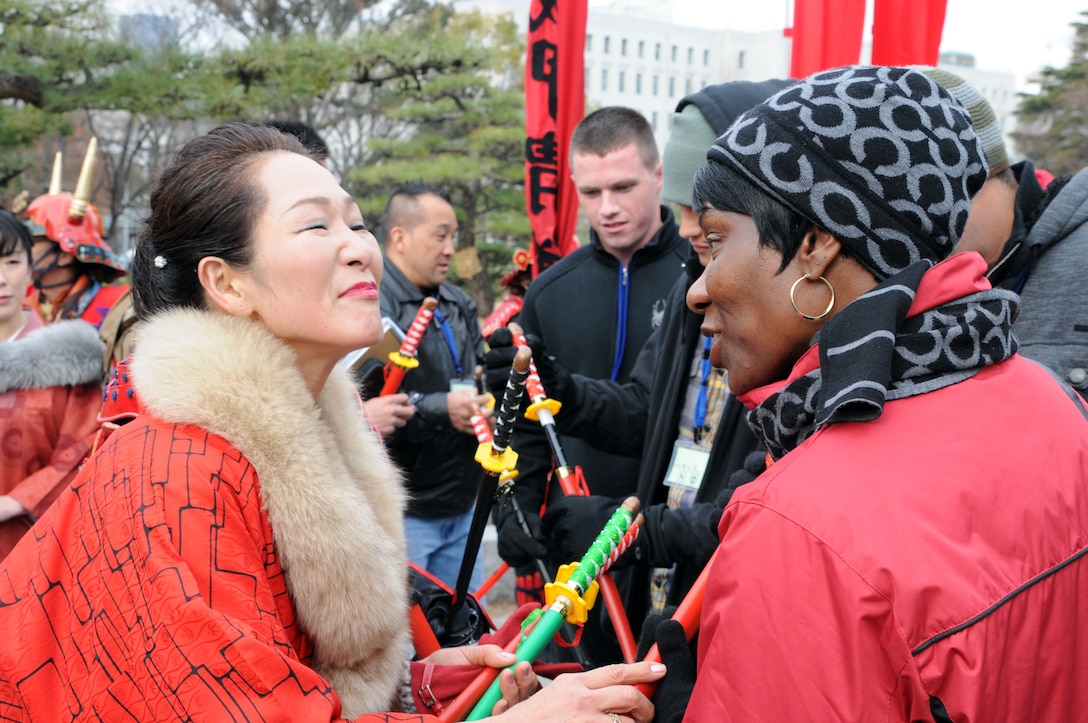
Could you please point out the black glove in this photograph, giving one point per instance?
(648, 635)
(497, 361)
(572, 523)
(555, 378)
(515, 546)
(755, 464)
(674, 690)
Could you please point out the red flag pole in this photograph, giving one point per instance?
(554, 104)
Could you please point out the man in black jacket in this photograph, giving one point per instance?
(595, 309)
(675, 412)
(436, 445)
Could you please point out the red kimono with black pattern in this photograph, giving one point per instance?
(155, 593)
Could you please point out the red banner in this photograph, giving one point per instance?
(907, 32)
(554, 104)
(826, 34)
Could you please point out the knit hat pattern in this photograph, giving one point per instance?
(883, 158)
(698, 121)
(982, 115)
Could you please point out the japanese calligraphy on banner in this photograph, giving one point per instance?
(554, 104)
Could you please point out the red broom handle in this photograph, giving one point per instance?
(687, 614)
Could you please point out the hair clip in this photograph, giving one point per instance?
(160, 262)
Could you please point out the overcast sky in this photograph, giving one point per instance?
(1021, 36)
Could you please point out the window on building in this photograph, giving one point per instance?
(604, 78)
(621, 79)
(657, 51)
(740, 59)
(653, 120)
(623, 46)
(706, 57)
(589, 42)
(674, 51)
(638, 83)
(607, 42)
(687, 86)
(672, 87)
(641, 48)
(655, 85)
(691, 55)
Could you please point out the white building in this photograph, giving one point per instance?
(636, 56)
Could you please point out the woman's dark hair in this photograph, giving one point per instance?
(779, 227)
(204, 204)
(14, 235)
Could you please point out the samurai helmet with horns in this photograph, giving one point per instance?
(70, 220)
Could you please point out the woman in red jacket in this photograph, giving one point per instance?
(50, 394)
(916, 549)
(236, 551)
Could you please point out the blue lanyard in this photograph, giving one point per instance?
(700, 403)
(450, 341)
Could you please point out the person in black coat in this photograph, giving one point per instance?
(674, 413)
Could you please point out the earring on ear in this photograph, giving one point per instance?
(793, 301)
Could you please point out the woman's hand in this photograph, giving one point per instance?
(516, 685)
(601, 695)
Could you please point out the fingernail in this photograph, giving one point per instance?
(657, 668)
(507, 656)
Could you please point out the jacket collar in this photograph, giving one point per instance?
(62, 354)
(316, 460)
(397, 286)
(658, 245)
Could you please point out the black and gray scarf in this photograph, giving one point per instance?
(870, 352)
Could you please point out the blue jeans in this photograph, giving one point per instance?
(437, 544)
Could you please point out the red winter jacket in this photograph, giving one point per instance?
(934, 554)
(160, 586)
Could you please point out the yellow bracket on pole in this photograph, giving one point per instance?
(580, 602)
(552, 405)
(403, 360)
(496, 463)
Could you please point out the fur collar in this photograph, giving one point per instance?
(58, 355)
(334, 500)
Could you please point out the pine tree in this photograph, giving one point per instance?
(1053, 124)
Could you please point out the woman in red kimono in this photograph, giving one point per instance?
(50, 394)
(236, 551)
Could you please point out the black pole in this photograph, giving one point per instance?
(504, 429)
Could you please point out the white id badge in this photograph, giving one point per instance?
(462, 385)
(687, 467)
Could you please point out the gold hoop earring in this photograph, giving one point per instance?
(825, 312)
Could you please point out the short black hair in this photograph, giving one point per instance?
(403, 205)
(723, 188)
(14, 235)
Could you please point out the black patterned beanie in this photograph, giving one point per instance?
(883, 158)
